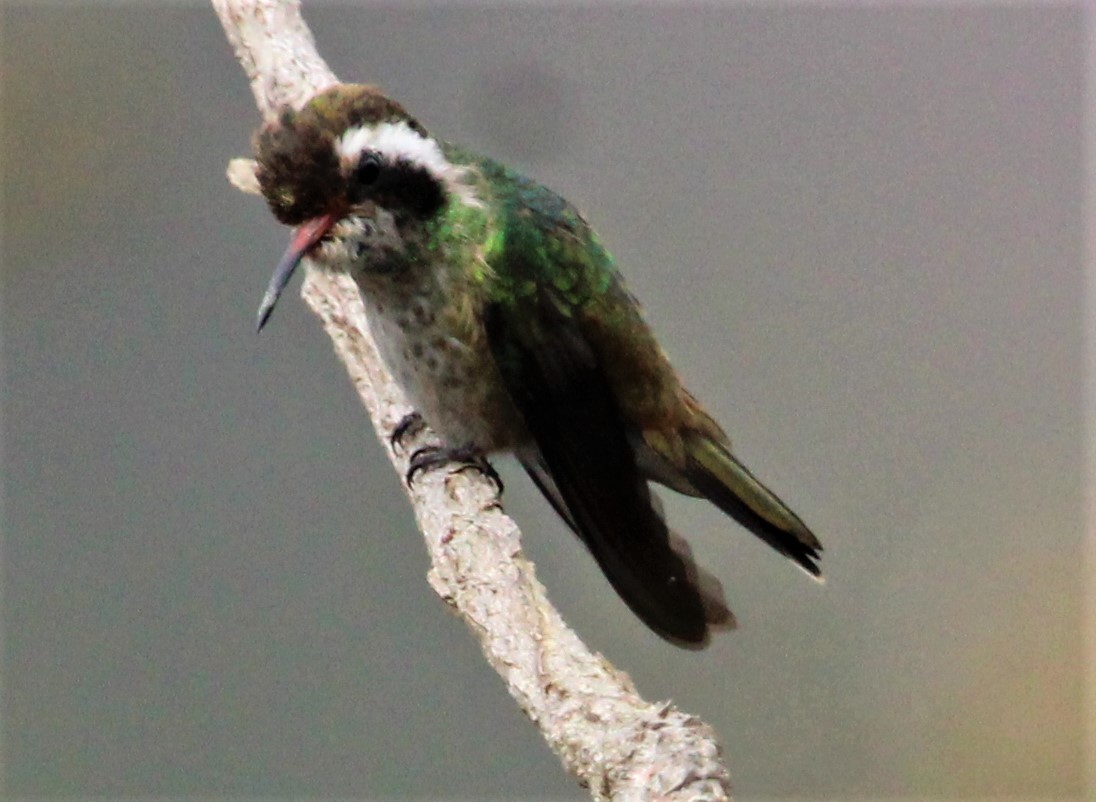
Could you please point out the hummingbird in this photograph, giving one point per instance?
(504, 319)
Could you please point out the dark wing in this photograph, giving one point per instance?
(586, 466)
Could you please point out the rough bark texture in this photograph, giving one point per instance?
(618, 745)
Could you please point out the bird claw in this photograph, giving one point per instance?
(430, 457)
(409, 426)
(480, 463)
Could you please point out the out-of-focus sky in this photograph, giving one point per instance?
(859, 233)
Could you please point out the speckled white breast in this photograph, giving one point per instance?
(449, 376)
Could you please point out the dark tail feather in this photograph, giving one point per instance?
(708, 591)
(728, 484)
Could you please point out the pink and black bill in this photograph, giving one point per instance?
(304, 238)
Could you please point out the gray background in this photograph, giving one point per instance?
(859, 234)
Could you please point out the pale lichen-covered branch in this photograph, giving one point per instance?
(619, 745)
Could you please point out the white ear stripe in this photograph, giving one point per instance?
(398, 140)
(393, 141)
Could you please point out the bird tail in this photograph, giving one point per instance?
(719, 476)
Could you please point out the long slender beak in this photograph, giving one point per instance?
(307, 234)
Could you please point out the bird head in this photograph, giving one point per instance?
(352, 172)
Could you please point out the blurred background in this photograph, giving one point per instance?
(857, 231)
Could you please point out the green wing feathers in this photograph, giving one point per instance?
(607, 413)
(720, 477)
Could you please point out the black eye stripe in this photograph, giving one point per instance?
(369, 169)
(416, 187)
(402, 185)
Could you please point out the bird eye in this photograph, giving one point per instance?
(369, 169)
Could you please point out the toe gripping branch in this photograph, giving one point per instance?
(430, 457)
(411, 425)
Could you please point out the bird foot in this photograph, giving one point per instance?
(429, 457)
(410, 426)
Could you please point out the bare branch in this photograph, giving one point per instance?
(618, 745)
(241, 174)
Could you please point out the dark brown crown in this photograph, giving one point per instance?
(298, 167)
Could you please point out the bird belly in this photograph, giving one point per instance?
(448, 376)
